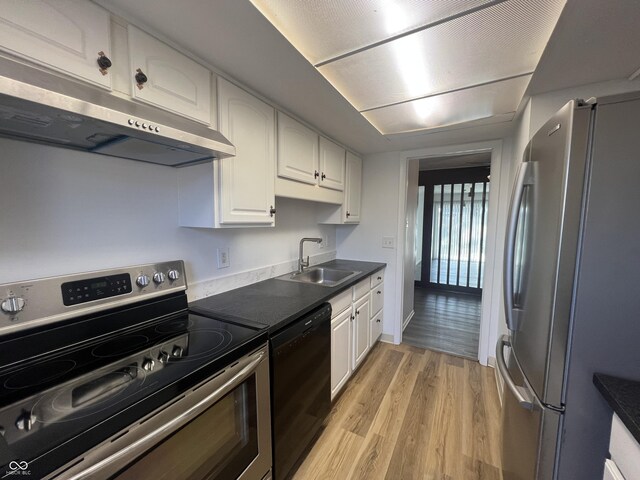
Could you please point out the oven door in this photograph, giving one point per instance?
(219, 430)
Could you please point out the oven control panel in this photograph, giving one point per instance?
(96, 288)
(34, 303)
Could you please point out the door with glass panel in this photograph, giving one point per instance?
(454, 228)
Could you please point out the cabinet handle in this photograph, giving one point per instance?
(378, 320)
(141, 79)
(272, 211)
(348, 214)
(103, 62)
(378, 292)
(316, 174)
(379, 278)
(357, 312)
(352, 317)
(323, 176)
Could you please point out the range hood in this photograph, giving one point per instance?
(40, 107)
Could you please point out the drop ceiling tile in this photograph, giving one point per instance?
(323, 29)
(498, 42)
(474, 104)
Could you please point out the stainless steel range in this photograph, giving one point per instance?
(106, 375)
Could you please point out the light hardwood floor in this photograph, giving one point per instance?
(410, 413)
(445, 321)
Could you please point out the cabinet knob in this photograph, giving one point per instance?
(323, 176)
(348, 214)
(316, 174)
(378, 320)
(378, 292)
(357, 312)
(272, 211)
(141, 78)
(104, 63)
(379, 278)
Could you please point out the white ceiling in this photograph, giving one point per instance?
(596, 40)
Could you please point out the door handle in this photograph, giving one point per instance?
(509, 252)
(524, 397)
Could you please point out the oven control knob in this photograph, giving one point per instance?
(142, 280)
(163, 357)
(12, 305)
(148, 364)
(173, 275)
(158, 278)
(177, 351)
(25, 422)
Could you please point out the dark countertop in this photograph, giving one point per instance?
(276, 303)
(623, 397)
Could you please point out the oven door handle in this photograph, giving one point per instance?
(141, 445)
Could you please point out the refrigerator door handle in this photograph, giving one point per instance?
(509, 252)
(523, 396)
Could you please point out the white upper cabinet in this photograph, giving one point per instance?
(297, 151)
(246, 181)
(332, 158)
(165, 78)
(353, 193)
(68, 36)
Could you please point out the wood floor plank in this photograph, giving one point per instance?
(435, 420)
(364, 410)
(408, 459)
(387, 426)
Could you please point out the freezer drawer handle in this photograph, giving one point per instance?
(523, 396)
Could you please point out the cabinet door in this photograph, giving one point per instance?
(375, 329)
(331, 165)
(174, 81)
(340, 351)
(246, 181)
(353, 193)
(64, 35)
(360, 330)
(297, 151)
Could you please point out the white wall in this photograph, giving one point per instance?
(381, 175)
(63, 211)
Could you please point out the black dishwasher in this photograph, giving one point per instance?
(301, 387)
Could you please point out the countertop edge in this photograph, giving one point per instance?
(272, 329)
(603, 384)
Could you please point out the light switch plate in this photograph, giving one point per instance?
(223, 257)
(388, 242)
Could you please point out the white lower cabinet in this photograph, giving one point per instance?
(360, 330)
(340, 351)
(625, 453)
(354, 330)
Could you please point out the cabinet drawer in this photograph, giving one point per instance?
(611, 471)
(377, 278)
(377, 299)
(625, 450)
(375, 330)
(64, 35)
(340, 303)
(174, 81)
(361, 289)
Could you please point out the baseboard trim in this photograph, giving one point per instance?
(386, 338)
(408, 319)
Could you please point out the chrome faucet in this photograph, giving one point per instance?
(302, 263)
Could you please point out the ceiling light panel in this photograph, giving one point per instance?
(470, 105)
(501, 41)
(325, 29)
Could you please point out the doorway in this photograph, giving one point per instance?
(450, 242)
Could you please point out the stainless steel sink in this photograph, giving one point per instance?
(327, 277)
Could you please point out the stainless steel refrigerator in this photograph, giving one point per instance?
(572, 288)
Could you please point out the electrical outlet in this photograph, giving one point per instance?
(325, 241)
(223, 257)
(388, 242)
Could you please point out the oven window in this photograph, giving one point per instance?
(218, 444)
